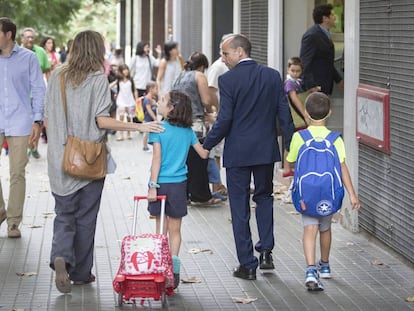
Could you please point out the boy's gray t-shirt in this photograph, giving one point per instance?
(84, 103)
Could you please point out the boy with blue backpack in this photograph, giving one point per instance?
(318, 185)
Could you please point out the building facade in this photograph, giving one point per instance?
(373, 40)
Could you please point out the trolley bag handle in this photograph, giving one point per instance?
(137, 198)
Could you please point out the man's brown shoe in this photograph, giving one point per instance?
(13, 231)
(3, 217)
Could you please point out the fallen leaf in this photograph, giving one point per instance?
(376, 262)
(35, 226)
(198, 250)
(280, 189)
(409, 299)
(294, 213)
(193, 279)
(127, 178)
(14, 309)
(279, 196)
(47, 214)
(243, 300)
(26, 273)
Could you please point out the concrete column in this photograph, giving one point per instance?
(350, 218)
(275, 35)
(177, 26)
(236, 16)
(207, 27)
(118, 24)
(128, 30)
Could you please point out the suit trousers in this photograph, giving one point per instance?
(17, 168)
(238, 187)
(74, 229)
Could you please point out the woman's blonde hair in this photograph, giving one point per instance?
(87, 55)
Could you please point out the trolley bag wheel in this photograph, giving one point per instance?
(120, 299)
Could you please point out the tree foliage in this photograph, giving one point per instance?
(49, 17)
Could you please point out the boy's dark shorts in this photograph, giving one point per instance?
(176, 203)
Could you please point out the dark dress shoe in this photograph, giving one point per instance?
(266, 260)
(244, 273)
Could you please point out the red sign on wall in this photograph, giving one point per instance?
(373, 117)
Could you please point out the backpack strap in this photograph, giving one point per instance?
(332, 136)
(306, 136)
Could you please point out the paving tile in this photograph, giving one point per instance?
(357, 284)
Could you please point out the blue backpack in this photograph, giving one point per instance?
(317, 188)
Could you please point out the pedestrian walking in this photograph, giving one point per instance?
(143, 64)
(169, 170)
(77, 201)
(22, 90)
(318, 109)
(317, 52)
(193, 82)
(251, 100)
(28, 37)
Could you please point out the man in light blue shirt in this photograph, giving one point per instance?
(22, 91)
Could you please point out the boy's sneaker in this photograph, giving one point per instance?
(324, 270)
(146, 149)
(312, 281)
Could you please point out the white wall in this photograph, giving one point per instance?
(350, 219)
(297, 19)
(275, 35)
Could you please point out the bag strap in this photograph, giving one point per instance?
(332, 136)
(63, 92)
(306, 135)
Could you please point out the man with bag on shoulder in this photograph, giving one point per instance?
(22, 91)
(85, 90)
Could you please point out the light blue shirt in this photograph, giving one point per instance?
(22, 92)
(175, 142)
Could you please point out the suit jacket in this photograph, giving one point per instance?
(251, 100)
(318, 53)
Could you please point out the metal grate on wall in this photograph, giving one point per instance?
(385, 181)
(254, 24)
(191, 32)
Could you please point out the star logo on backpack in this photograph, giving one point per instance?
(324, 208)
(317, 188)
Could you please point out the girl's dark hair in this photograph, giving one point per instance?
(121, 69)
(43, 43)
(168, 46)
(318, 105)
(140, 48)
(182, 114)
(320, 11)
(195, 61)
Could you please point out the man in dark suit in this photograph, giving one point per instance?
(251, 99)
(318, 52)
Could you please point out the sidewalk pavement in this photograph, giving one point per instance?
(366, 276)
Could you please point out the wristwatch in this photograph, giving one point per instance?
(153, 185)
(40, 122)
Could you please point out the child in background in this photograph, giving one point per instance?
(296, 93)
(318, 109)
(149, 105)
(125, 99)
(293, 87)
(169, 169)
